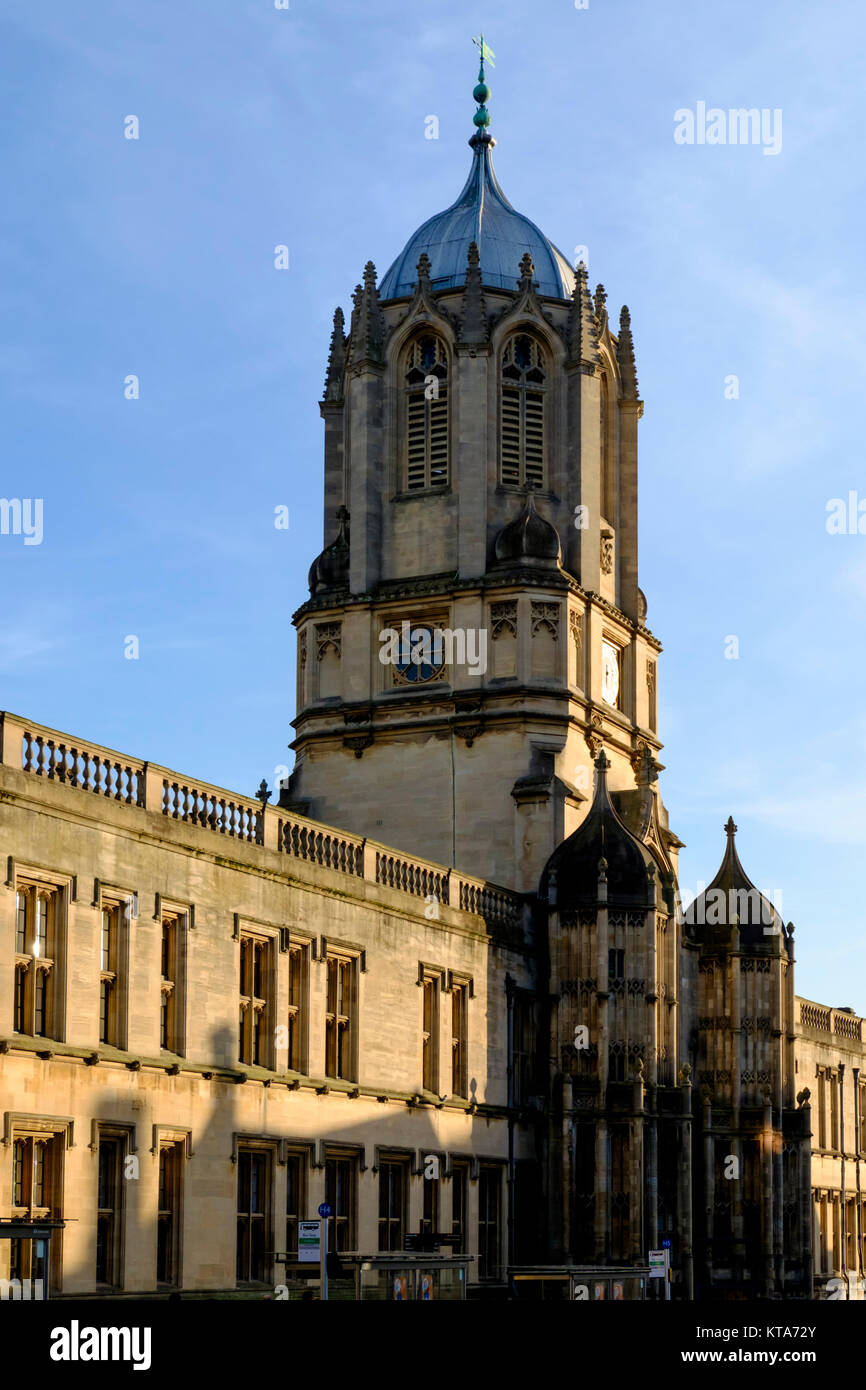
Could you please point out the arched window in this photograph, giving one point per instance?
(426, 390)
(523, 385)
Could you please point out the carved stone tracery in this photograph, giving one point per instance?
(328, 635)
(545, 616)
(503, 620)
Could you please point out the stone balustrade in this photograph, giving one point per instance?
(46, 754)
(42, 752)
(414, 876)
(212, 809)
(833, 1021)
(319, 844)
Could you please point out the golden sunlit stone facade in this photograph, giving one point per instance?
(216, 1014)
(365, 991)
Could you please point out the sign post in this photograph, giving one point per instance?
(309, 1242)
(660, 1267)
(324, 1211)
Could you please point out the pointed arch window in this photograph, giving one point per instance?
(523, 385)
(426, 406)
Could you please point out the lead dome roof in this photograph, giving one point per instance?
(481, 214)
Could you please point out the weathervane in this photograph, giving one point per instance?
(481, 119)
(486, 53)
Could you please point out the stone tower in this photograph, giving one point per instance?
(480, 482)
(753, 1212)
(619, 1169)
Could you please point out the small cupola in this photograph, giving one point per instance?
(330, 570)
(529, 540)
(602, 844)
(731, 910)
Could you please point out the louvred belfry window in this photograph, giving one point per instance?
(523, 384)
(426, 414)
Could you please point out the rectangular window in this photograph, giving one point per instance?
(18, 1156)
(458, 1039)
(297, 1024)
(40, 1004)
(20, 997)
(393, 1194)
(37, 929)
(172, 1003)
(255, 1001)
(254, 1216)
(110, 954)
(834, 1110)
(615, 965)
(489, 1202)
(295, 1175)
(168, 1213)
(41, 925)
(430, 1216)
(523, 1048)
(459, 1206)
(430, 1033)
(340, 1019)
(21, 923)
(36, 1186)
(109, 1215)
(341, 1195)
(616, 1060)
(822, 1109)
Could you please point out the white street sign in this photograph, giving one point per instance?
(309, 1242)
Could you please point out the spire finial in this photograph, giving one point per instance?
(473, 319)
(625, 356)
(482, 92)
(336, 359)
(730, 828)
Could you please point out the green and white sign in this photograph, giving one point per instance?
(309, 1242)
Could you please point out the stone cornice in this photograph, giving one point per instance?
(470, 711)
(454, 587)
(118, 1061)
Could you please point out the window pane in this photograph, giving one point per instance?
(21, 923)
(41, 927)
(39, 1005)
(18, 1164)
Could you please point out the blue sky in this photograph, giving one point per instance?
(306, 127)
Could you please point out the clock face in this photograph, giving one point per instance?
(421, 656)
(609, 673)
